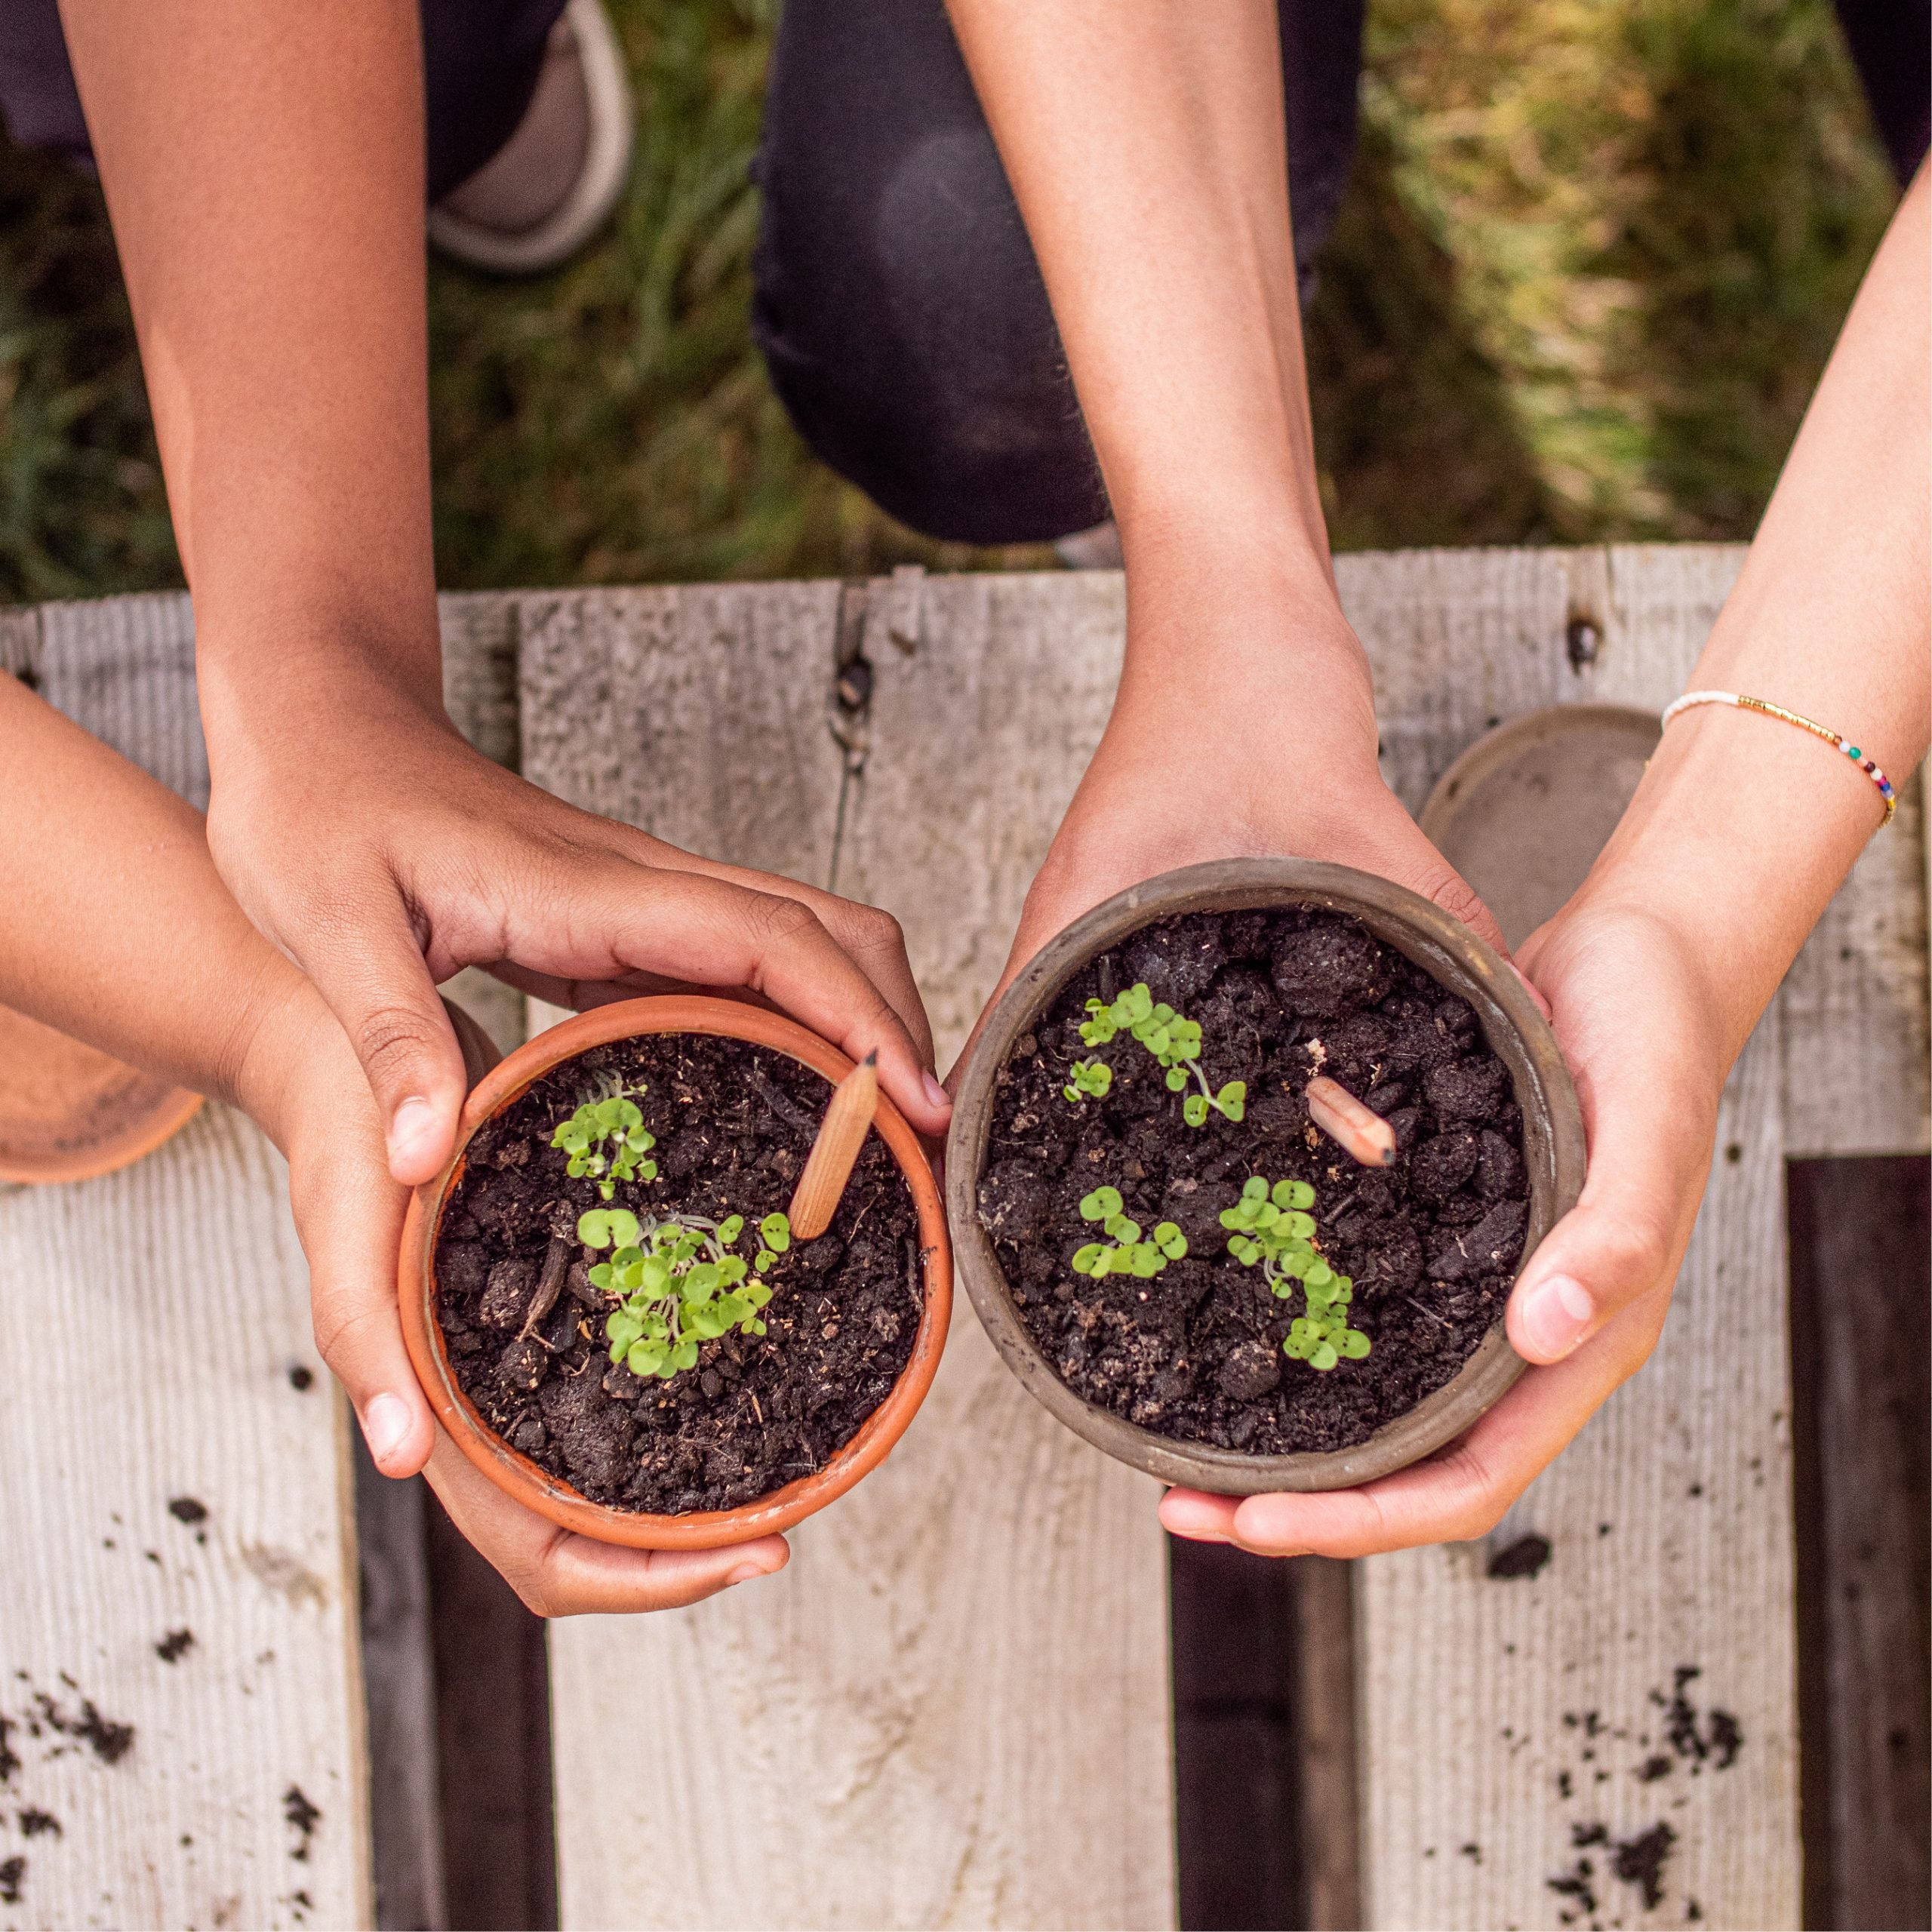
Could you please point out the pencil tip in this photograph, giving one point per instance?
(871, 1058)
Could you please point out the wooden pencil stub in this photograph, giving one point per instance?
(828, 1166)
(1362, 1134)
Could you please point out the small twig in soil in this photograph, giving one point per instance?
(788, 1110)
(756, 1411)
(549, 1285)
(1430, 1312)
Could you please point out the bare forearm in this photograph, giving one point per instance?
(263, 166)
(1145, 144)
(114, 926)
(1744, 827)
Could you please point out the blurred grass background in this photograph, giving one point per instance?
(1594, 257)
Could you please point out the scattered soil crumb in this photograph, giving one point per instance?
(1640, 1862)
(175, 1646)
(1575, 1884)
(304, 1815)
(1525, 1557)
(299, 1377)
(36, 1823)
(12, 1871)
(109, 1740)
(187, 1509)
(10, 1760)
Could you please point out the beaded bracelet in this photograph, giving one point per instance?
(1868, 766)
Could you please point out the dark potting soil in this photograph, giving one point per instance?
(1195, 1353)
(733, 1124)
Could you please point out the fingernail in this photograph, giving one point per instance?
(385, 1424)
(935, 1095)
(1556, 1314)
(745, 1573)
(411, 1125)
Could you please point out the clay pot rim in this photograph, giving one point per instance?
(163, 1110)
(1554, 1150)
(535, 1487)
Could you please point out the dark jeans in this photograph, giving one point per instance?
(898, 303)
(480, 59)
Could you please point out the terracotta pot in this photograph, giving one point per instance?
(536, 1488)
(1553, 1152)
(68, 1112)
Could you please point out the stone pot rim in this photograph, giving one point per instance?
(1514, 1026)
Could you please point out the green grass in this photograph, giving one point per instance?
(1593, 259)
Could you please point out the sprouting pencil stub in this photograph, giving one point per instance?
(1360, 1132)
(848, 1118)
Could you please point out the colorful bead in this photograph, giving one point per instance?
(1836, 740)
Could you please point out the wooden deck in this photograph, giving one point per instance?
(953, 1708)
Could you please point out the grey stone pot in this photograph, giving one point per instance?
(1553, 1152)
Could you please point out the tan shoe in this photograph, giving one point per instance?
(557, 179)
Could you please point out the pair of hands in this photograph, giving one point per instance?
(464, 864)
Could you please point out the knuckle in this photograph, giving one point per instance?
(777, 921)
(389, 1039)
(1460, 899)
(337, 1331)
(876, 931)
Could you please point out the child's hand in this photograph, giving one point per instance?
(303, 1082)
(1591, 1301)
(380, 853)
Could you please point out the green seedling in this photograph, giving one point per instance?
(1089, 1076)
(1129, 1254)
(1271, 1228)
(1173, 1041)
(607, 1140)
(678, 1283)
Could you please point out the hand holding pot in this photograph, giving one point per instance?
(1243, 727)
(303, 1083)
(381, 853)
(1638, 1019)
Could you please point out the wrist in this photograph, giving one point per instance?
(281, 670)
(1246, 647)
(275, 1034)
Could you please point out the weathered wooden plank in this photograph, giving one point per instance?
(697, 713)
(1861, 1233)
(1449, 1656)
(979, 738)
(479, 632)
(1504, 1721)
(870, 1739)
(124, 668)
(149, 1329)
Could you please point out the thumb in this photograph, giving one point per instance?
(1626, 1235)
(377, 984)
(349, 1212)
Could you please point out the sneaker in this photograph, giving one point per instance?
(557, 179)
(1095, 549)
